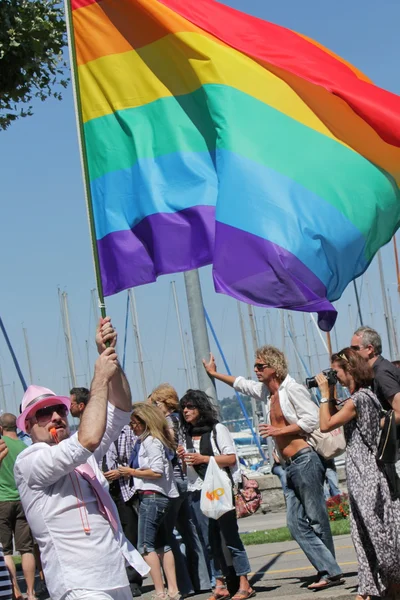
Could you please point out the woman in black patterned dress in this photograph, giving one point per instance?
(374, 515)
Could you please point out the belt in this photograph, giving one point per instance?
(150, 493)
(299, 453)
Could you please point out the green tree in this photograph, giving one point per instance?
(32, 38)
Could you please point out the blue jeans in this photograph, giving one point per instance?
(331, 478)
(201, 524)
(307, 517)
(280, 472)
(191, 573)
(217, 533)
(225, 529)
(152, 531)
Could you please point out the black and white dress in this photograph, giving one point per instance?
(375, 517)
(5, 585)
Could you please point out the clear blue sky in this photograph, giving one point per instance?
(44, 240)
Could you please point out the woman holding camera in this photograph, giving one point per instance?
(374, 516)
(207, 437)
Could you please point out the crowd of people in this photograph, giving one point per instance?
(120, 499)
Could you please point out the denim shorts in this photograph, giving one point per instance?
(152, 530)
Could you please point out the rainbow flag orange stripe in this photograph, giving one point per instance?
(212, 136)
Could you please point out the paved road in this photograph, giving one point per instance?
(281, 571)
(260, 522)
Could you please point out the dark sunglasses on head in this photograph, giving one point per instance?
(47, 411)
(260, 366)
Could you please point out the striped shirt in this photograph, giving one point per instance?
(118, 455)
(5, 584)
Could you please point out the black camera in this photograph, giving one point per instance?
(330, 374)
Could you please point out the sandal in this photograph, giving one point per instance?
(325, 582)
(244, 594)
(216, 596)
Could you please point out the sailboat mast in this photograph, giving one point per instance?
(371, 314)
(385, 304)
(28, 354)
(358, 302)
(244, 342)
(136, 332)
(296, 354)
(3, 403)
(201, 342)
(307, 343)
(67, 336)
(192, 367)
(396, 258)
(393, 326)
(183, 349)
(95, 308)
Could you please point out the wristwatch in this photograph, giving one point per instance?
(323, 400)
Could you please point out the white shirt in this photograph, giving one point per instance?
(226, 446)
(71, 558)
(295, 400)
(152, 456)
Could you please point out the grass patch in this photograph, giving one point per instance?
(17, 559)
(281, 534)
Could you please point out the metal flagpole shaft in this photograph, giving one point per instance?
(201, 342)
(83, 153)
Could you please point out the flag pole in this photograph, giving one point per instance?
(83, 154)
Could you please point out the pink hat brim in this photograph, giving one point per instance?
(52, 401)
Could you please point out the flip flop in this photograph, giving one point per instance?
(244, 594)
(324, 583)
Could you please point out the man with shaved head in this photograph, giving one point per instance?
(13, 523)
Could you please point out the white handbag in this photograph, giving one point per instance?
(328, 445)
(216, 493)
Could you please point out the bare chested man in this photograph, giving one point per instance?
(292, 416)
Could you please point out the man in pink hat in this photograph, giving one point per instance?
(63, 492)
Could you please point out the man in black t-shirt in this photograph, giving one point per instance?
(367, 342)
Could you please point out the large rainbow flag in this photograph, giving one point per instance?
(213, 137)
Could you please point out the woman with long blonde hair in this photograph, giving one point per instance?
(152, 472)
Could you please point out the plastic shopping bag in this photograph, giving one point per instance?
(216, 493)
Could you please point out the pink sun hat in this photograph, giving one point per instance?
(38, 397)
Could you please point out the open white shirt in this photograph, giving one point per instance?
(295, 400)
(71, 558)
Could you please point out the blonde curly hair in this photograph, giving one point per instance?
(274, 359)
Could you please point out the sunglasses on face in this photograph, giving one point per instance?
(356, 348)
(189, 406)
(260, 366)
(43, 415)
